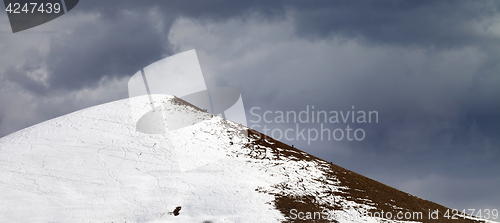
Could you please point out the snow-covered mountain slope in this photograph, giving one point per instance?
(94, 166)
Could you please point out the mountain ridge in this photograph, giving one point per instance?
(94, 166)
(352, 187)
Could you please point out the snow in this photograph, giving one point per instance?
(94, 166)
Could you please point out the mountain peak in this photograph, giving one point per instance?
(96, 165)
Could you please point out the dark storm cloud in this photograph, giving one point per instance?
(104, 48)
(21, 75)
(423, 23)
(209, 10)
(124, 38)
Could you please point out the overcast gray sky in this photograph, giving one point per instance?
(429, 68)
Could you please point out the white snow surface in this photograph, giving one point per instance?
(94, 166)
